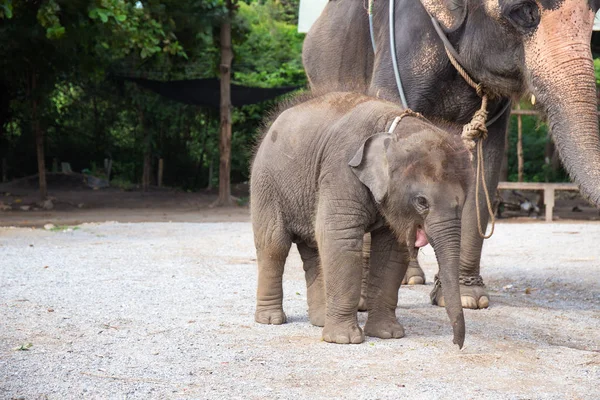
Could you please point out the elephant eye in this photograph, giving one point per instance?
(524, 15)
(421, 204)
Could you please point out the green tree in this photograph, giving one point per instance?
(47, 40)
(74, 50)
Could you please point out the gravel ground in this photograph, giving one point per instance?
(165, 310)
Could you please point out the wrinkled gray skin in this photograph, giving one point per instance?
(511, 46)
(322, 177)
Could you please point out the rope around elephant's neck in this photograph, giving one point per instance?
(406, 113)
(477, 130)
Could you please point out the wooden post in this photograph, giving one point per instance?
(225, 111)
(549, 202)
(161, 165)
(520, 144)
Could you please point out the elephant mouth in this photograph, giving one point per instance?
(420, 237)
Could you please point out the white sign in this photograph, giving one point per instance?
(309, 12)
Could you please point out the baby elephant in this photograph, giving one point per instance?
(342, 164)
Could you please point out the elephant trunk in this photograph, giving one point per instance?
(561, 75)
(445, 239)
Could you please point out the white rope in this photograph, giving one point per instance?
(371, 25)
(395, 124)
(393, 54)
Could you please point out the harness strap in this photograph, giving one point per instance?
(370, 12)
(394, 55)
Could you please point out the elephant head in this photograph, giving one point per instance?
(540, 47)
(420, 181)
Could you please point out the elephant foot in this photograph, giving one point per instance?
(270, 316)
(343, 333)
(414, 274)
(316, 315)
(384, 328)
(473, 294)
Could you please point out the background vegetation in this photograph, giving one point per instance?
(60, 67)
(61, 63)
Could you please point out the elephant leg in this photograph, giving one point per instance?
(314, 284)
(271, 256)
(472, 289)
(362, 304)
(414, 274)
(389, 261)
(340, 250)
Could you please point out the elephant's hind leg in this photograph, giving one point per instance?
(388, 265)
(414, 274)
(314, 284)
(271, 255)
(364, 286)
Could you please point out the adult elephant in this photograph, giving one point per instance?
(512, 47)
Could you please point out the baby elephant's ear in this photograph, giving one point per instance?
(370, 164)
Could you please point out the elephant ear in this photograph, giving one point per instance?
(449, 13)
(370, 164)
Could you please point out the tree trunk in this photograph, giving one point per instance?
(147, 171)
(161, 165)
(520, 144)
(147, 168)
(225, 127)
(504, 166)
(210, 175)
(4, 168)
(39, 139)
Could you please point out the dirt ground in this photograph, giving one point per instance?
(147, 309)
(75, 203)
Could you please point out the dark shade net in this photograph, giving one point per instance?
(206, 92)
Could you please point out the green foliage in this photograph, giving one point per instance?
(47, 16)
(60, 57)
(535, 141)
(597, 70)
(6, 9)
(278, 43)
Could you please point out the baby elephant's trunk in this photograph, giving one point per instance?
(445, 239)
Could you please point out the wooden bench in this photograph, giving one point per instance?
(548, 188)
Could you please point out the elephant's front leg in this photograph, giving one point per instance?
(472, 289)
(414, 274)
(389, 261)
(340, 248)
